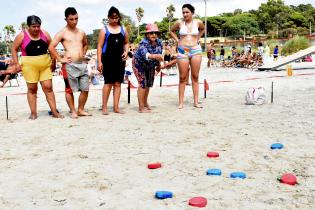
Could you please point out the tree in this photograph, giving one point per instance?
(272, 15)
(9, 32)
(23, 26)
(170, 15)
(139, 13)
(130, 26)
(238, 11)
(93, 39)
(242, 22)
(3, 48)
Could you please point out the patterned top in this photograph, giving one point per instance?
(146, 47)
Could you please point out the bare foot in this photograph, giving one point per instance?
(198, 105)
(105, 112)
(57, 115)
(148, 107)
(83, 113)
(74, 115)
(180, 106)
(145, 110)
(33, 117)
(118, 111)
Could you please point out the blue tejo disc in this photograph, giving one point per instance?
(276, 146)
(214, 172)
(163, 194)
(240, 175)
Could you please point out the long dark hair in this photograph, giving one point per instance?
(190, 7)
(112, 11)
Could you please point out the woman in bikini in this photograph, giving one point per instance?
(189, 51)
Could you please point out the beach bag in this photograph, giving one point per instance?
(255, 96)
(95, 80)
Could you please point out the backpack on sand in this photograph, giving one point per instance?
(255, 96)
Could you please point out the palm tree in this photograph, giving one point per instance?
(170, 15)
(139, 13)
(23, 26)
(9, 32)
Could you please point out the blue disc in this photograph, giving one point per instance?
(163, 194)
(276, 146)
(214, 172)
(240, 175)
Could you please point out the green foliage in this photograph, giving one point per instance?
(9, 32)
(240, 22)
(93, 39)
(3, 48)
(294, 45)
(138, 39)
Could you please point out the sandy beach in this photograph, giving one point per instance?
(100, 162)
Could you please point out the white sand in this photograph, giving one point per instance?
(100, 162)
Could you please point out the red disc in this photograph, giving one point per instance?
(213, 154)
(198, 202)
(288, 179)
(154, 165)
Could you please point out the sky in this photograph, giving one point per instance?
(91, 12)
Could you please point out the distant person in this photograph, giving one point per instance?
(276, 52)
(167, 54)
(4, 71)
(128, 67)
(189, 52)
(36, 64)
(147, 59)
(234, 52)
(74, 67)
(209, 55)
(222, 53)
(260, 49)
(266, 56)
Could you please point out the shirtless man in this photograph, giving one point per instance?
(74, 68)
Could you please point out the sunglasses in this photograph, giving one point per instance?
(151, 33)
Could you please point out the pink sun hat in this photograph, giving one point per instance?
(151, 27)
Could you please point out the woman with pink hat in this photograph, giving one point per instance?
(189, 51)
(145, 62)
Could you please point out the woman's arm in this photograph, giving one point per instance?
(174, 29)
(100, 44)
(15, 48)
(53, 60)
(126, 45)
(201, 27)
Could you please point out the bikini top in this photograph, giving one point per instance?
(185, 31)
(31, 47)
